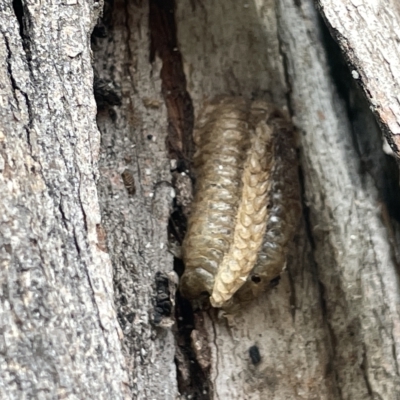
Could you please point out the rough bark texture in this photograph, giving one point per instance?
(352, 244)
(329, 330)
(368, 32)
(133, 123)
(59, 333)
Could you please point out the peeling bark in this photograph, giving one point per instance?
(368, 34)
(352, 246)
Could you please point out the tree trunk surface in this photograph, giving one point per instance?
(369, 34)
(59, 334)
(88, 276)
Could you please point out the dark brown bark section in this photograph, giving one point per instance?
(136, 195)
(192, 372)
(179, 104)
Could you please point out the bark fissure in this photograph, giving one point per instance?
(192, 378)
(19, 13)
(364, 369)
(179, 104)
(132, 119)
(372, 56)
(51, 263)
(25, 95)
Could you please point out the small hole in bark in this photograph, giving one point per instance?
(255, 278)
(112, 114)
(123, 300)
(274, 282)
(130, 317)
(254, 353)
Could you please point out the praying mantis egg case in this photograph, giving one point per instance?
(246, 205)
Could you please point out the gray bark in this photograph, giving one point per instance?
(369, 34)
(353, 237)
(59, 333)
(80, 293)
(133, 140)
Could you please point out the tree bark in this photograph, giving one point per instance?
(59, 333)
(351, 219)
(133, 124)
(368, 34)
(87, 302)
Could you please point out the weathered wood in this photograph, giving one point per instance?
(59, 333)
(368, 32)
